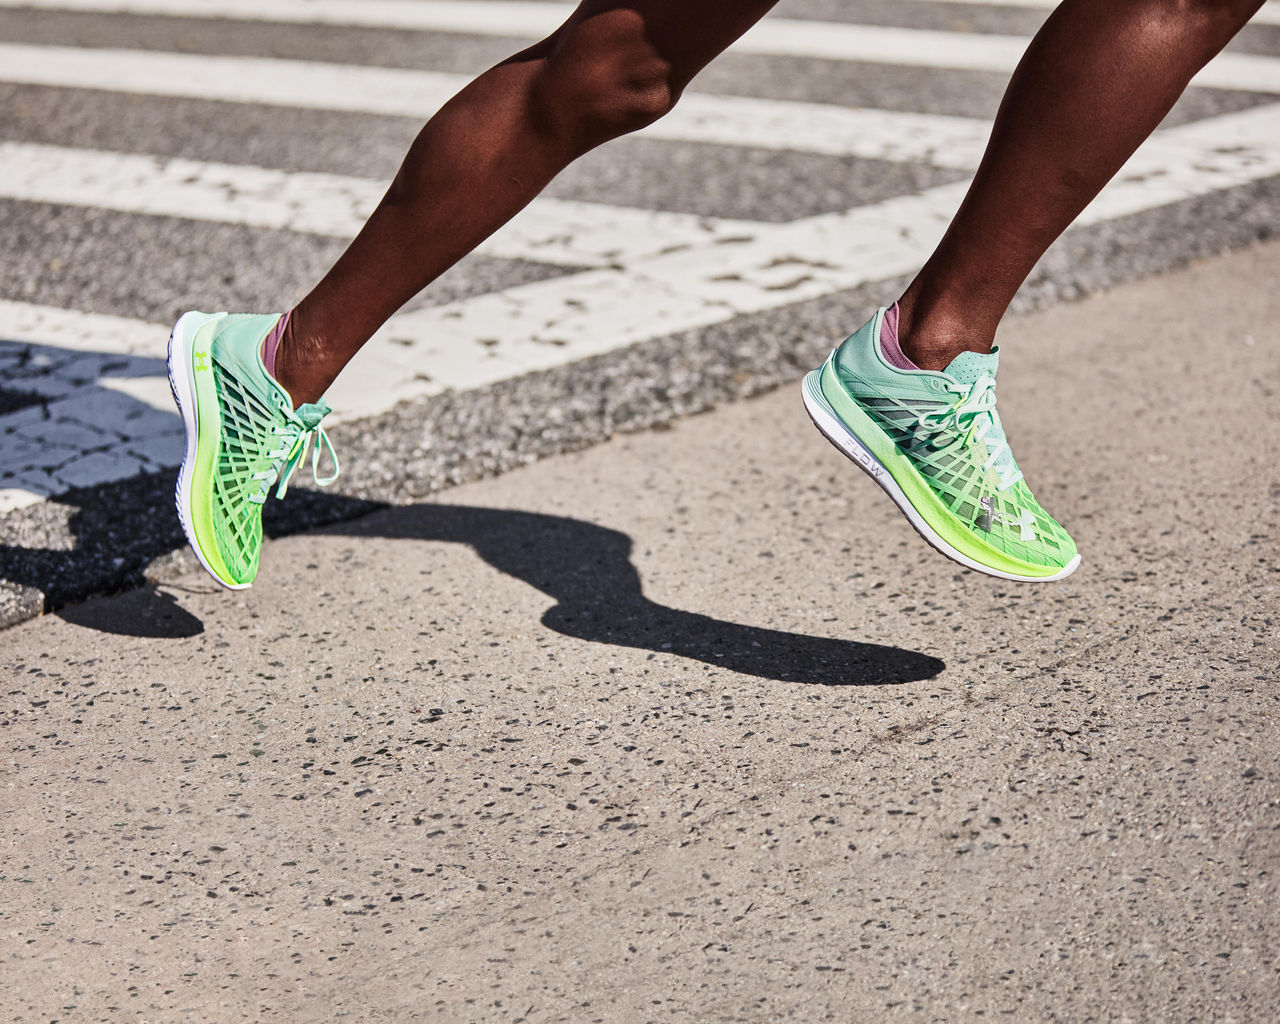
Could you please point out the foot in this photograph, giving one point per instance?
(934, 442)
(242, 435)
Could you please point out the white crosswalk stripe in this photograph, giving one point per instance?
(411, 93)
(453, 15)
(727, 120)
(1268, 15)
(632, 274)
(554, 231)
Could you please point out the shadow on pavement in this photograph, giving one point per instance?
(145, 612)
(587, 569)
(63, 432)
(116, 531)
(120, 528)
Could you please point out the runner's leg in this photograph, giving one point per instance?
(612, 68)
(1097, 79)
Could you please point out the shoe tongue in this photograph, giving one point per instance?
(967, 367)
(312, 413)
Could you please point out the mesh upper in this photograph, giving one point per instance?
(250, 435)
(957, 475)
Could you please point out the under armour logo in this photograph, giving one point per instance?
(1025, 522)
(202, 360)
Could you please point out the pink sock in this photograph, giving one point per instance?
(272, 343)
(889, 346)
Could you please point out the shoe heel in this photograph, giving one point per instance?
(833, 429)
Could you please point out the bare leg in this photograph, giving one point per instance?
(613, 67)
(1095, 82)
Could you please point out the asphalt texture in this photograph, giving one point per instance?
(690, 726)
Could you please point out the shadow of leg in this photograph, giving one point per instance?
(751, 650)
(145, 612)
(587, 569)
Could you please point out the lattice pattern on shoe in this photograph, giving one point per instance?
(1006, 517)
(249, 455)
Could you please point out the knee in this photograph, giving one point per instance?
(1217, 17)
(603, 78)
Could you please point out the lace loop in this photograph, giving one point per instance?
(315, 440)
(294, 435)
(973, 416)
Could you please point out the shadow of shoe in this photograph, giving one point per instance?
(145, 612)
(120, 528)
(587, 569)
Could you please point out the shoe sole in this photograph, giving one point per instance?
(848, 444)
(183, 386)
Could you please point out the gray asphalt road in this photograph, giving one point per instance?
(692, 727)
(85, 424)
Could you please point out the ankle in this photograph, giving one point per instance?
(293, 370)
(933, 338)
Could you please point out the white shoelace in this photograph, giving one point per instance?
(974, 416)
(294, 442)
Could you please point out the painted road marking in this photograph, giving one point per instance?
(521, 19)
(418, 93)
(961, 52)
(557, 231)
(940, 140)
(544, 324)
(728, 120)
(563, 232)
(1269, 15)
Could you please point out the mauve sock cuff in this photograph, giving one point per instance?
(272, 342)
(889, 347)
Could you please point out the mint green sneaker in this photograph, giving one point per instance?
(934, 442)
(242, 435)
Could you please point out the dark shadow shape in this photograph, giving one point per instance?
(145, 612)
(587, 569)
(121, 528)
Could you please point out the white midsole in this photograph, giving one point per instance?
(826, 420)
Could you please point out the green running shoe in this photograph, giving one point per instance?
(934, 442)
(242, 435)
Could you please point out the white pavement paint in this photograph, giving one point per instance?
(492, 17)
(563, 232)
(1194, 159)
(937, 139)
(532, 327)
(540, 325)
(965, 52)
(772, 36)
(25, 323)
(519, 19)
(726, 120)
